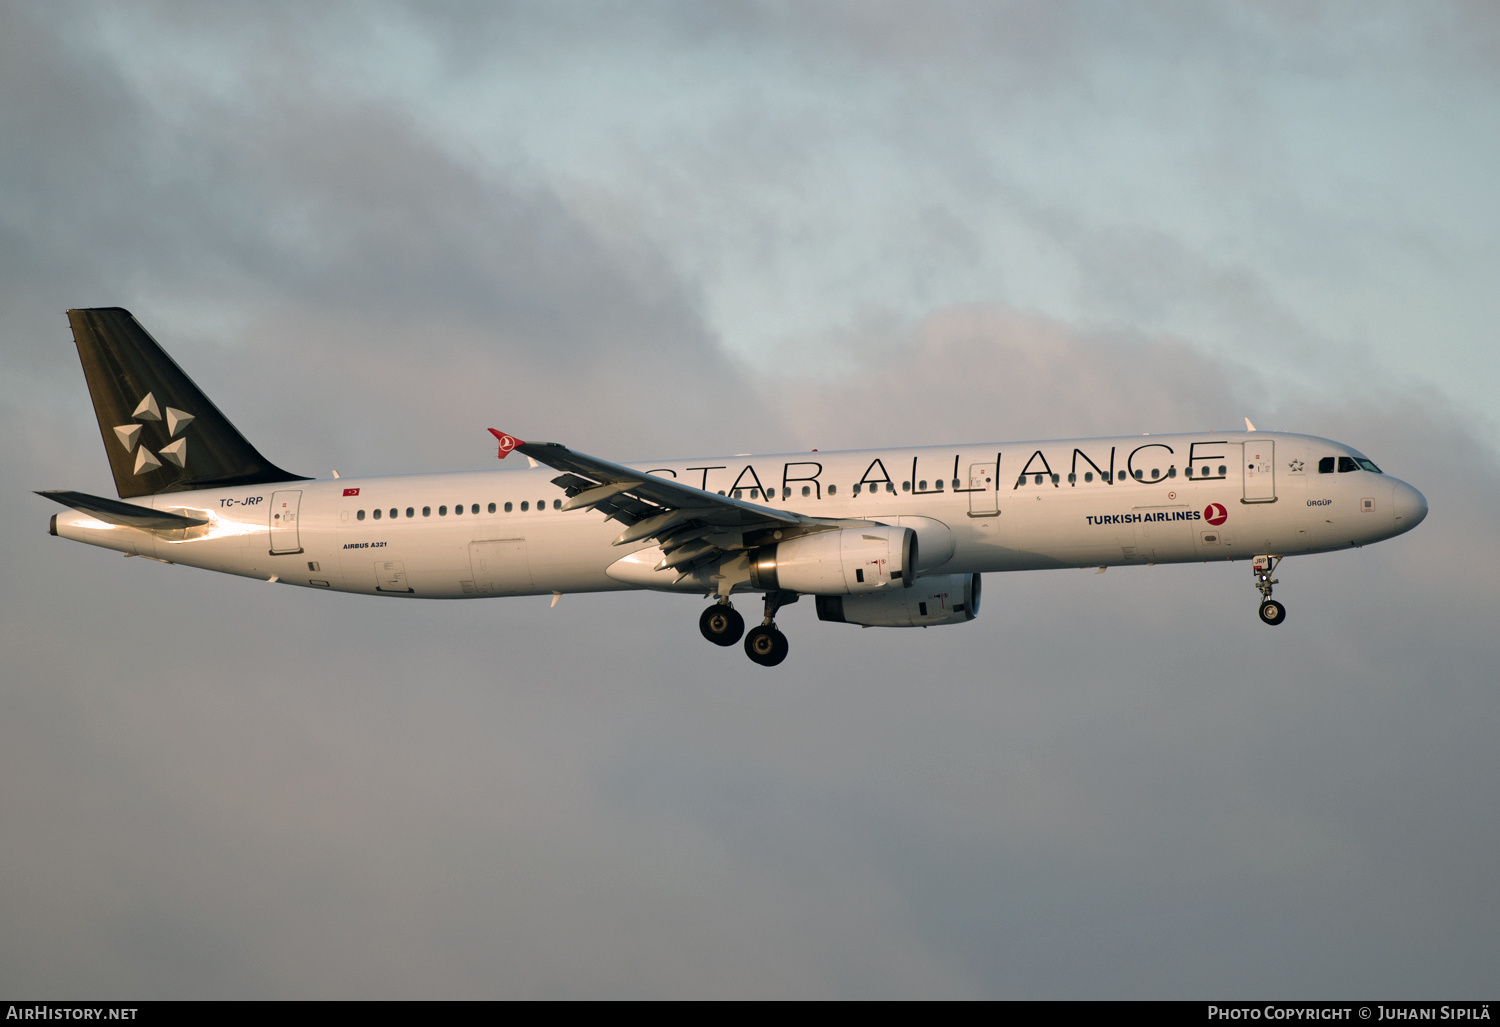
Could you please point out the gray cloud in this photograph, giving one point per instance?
(1111, 785)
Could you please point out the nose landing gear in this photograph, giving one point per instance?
(1271, 610)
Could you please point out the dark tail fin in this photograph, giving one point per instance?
(161, 432)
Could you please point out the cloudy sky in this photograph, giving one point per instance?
(371, 230)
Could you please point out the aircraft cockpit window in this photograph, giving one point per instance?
(1325, 465)
(1368, 465)
(1347, 464)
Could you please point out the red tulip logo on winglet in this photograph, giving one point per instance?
(507, 442)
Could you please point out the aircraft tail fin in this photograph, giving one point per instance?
(161, 432)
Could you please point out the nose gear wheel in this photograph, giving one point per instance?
(1271, 611)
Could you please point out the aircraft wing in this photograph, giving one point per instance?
(690, 524)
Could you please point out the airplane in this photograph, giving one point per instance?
(894, 537)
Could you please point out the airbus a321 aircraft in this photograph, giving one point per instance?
(879, 538)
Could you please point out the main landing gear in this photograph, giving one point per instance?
(721, 624)
(764, 643)
(1271, 611)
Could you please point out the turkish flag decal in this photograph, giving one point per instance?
(351, 492)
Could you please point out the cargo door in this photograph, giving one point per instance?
(984, 496)
(390, 576)
(1260, 471)
(1163, 533)
(499, 567)
(285, 537)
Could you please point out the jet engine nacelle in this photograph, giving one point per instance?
(944, 599)
(844, 561)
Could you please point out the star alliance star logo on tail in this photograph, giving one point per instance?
(174, 452)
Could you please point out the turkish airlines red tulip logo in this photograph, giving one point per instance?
(1215, 514)
(507, 442)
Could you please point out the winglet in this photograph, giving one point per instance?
(507, 442)
(1248, 425)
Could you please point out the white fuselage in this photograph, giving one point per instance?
(977, 508)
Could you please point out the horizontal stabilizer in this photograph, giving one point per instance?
(112, 511)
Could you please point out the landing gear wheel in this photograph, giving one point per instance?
(721, 624)
(1272, 612)
(766, 646)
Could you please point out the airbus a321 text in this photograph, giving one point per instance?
(880, 538)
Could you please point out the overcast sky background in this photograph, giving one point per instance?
(369, 231)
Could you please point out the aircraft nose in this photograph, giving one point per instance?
(1408, 505)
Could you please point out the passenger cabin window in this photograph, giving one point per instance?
(359, 516)
(458, 508)
(507, 508)
(474, 509)
(833, 490)
(492, 508)
(525, 506)
(394, 513)
(377, 515)
(442, 511)
(410, 512)
(557, 504)
(1088, 475)
(426, 511)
